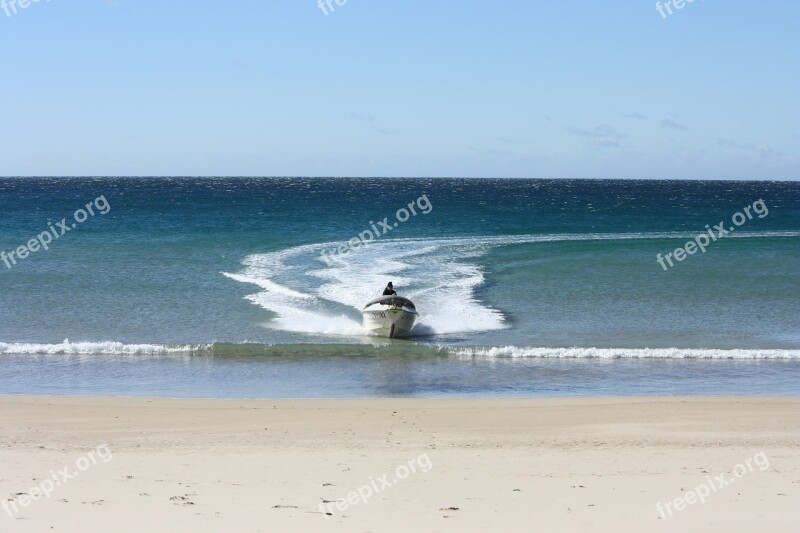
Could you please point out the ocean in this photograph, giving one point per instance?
(251, 287)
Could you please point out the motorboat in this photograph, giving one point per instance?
(390, 316)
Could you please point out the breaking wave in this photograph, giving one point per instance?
(402, 349)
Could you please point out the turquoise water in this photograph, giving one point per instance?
(210, 277)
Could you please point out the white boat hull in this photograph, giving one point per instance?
(389, 322)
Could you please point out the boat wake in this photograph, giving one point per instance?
(306, 294)
(310, 295)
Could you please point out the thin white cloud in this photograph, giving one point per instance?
(672, 125)
(491, 152)
(634, 114)
(603, 135)
(366, 118)
(760, 149)
(509, 140)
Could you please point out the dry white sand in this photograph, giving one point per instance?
(420, 465)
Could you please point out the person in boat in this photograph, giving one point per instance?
(389, 290)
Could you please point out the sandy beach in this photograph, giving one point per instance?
(124, 464)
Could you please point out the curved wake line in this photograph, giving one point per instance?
(623, 353)
(268, 285)
(558, 237)
(500, 240)
(494, 240)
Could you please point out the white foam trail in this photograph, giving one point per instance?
(96, 348)
(308, 295)
(293, 317)
(621, 353)
(270, 286)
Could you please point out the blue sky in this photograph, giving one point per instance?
(508, 88)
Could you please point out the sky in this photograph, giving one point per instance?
(504, 88)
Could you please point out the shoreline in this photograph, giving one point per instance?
(566, 398)
(474, 464)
